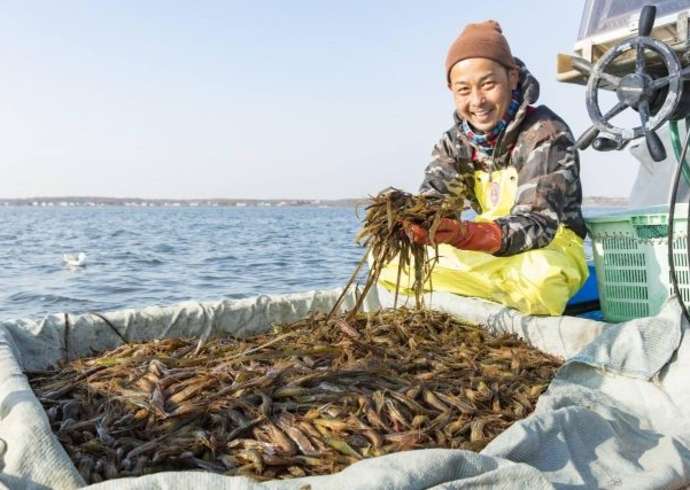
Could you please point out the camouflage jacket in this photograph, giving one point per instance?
(540, 147)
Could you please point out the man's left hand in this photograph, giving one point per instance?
(416, 234)
(465, 235)
(448, 231)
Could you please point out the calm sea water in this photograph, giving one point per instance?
(156, 256)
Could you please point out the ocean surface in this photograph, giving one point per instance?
(139, 256)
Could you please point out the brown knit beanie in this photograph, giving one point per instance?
(481, 40)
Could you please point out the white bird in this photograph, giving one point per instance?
(75, 260)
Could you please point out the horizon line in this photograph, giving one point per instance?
(82, 197)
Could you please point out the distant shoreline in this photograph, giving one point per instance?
(591, 201)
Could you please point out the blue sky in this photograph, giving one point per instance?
(268, 99)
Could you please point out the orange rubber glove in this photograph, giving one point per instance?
(465, 235)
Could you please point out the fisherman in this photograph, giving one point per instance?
(516, 165)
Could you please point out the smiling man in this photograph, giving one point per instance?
(515, 164)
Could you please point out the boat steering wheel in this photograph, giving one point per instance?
(634, 90)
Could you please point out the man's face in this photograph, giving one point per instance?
(482, 90)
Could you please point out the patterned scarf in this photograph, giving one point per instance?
(487, 141)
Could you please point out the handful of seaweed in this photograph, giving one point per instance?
(384, 237)
(310, 399)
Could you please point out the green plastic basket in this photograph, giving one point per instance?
(631, 260)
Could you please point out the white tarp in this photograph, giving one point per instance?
(616, 415)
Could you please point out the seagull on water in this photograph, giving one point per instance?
(75, 260)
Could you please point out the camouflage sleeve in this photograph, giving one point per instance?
(441, 170)
(548, 174)
(446, 175)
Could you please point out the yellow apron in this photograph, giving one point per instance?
(536, 282)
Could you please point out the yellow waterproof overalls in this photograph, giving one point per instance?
(537, 282)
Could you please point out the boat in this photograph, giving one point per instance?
(617, 414)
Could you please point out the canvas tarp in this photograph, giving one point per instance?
(615, 416)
